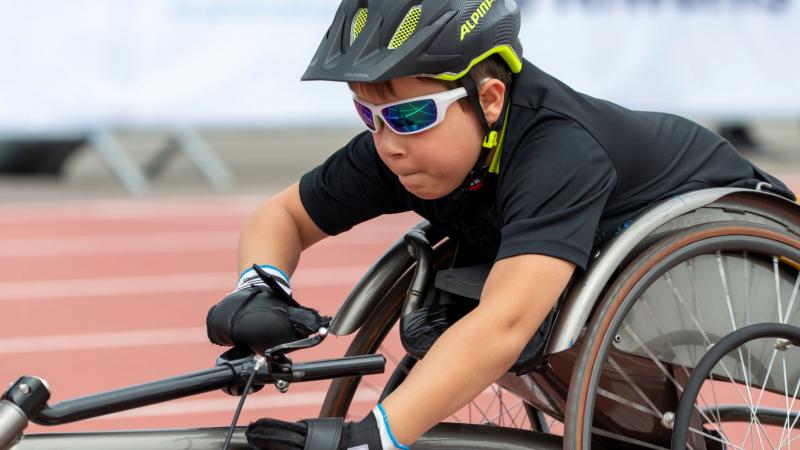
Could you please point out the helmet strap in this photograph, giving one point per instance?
(475, 98)
(475, 177)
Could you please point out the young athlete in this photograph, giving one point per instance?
(517, 167)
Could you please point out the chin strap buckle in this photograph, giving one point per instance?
(490, 141)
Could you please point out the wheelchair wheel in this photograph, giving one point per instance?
(781, 334)
(660, 316)
(353, 397)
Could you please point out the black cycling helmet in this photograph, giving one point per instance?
(376, 40)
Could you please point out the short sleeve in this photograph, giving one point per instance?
(350, 187)
(552, 193)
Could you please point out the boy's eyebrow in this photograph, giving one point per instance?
(379, 89)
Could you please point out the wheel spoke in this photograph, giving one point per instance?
(507, 411)
(766, 377)
(792, 299)
(519, 410)
(672, 379)
(727, 293)
(716, 402)
(499, 394)
(660, 365)
(626, 439)
(636, 388)
(695, 320)
(725, 290)
(624, 401)
(484, 412)
(791, 407)
(785, 397)
(643, 301)
(715, 438)
(776, 271)
(697, 323)
(789, 443)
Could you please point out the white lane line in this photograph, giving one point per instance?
(123, 209)
(127, 209)
(115, 339)
(162, 284)
(256, 401)
(119, 244)
(154, 243)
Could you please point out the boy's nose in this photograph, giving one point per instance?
(390, 143)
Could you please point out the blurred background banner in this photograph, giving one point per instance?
(718, 59)
(237, 63)
(142, 63)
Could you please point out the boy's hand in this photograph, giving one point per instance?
(259, 317)
(322, 434)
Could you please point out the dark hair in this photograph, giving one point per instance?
(492, 67)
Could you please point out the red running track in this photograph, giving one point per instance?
(104, 294)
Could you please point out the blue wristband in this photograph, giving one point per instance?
(249, 277)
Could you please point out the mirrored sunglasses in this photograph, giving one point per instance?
(408, 116)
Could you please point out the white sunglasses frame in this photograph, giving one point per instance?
(443, 101)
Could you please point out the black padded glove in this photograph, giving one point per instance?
(259, 317)
(318, 434)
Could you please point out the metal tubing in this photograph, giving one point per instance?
(581, 299)
(137, 396)
(197, 383)
(420, 249)
(375, 284)
(12, 423)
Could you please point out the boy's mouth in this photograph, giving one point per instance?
(406, 174)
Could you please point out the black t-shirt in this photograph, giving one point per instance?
(573, 170)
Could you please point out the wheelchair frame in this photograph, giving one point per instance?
(548, 392)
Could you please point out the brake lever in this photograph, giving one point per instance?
(289, 347)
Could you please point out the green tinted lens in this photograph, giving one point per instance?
(411, 116)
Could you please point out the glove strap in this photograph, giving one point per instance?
(387, 438)
(324, 434)
(249, 278)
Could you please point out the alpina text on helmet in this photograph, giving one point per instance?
(472, 22)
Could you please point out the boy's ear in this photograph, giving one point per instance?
(491, 93)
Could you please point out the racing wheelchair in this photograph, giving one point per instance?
(682, 287)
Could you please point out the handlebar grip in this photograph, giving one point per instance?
(336, 368)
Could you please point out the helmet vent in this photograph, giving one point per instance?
(358, 24)
(406, 28)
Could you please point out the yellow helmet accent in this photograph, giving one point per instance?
(359, 21)
(406, 28)
(505, 51)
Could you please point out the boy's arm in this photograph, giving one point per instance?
(481, 347)
(277, 232)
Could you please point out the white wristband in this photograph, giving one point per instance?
(250, 277)
(387, 438)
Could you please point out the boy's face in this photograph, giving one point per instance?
(432, 163)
